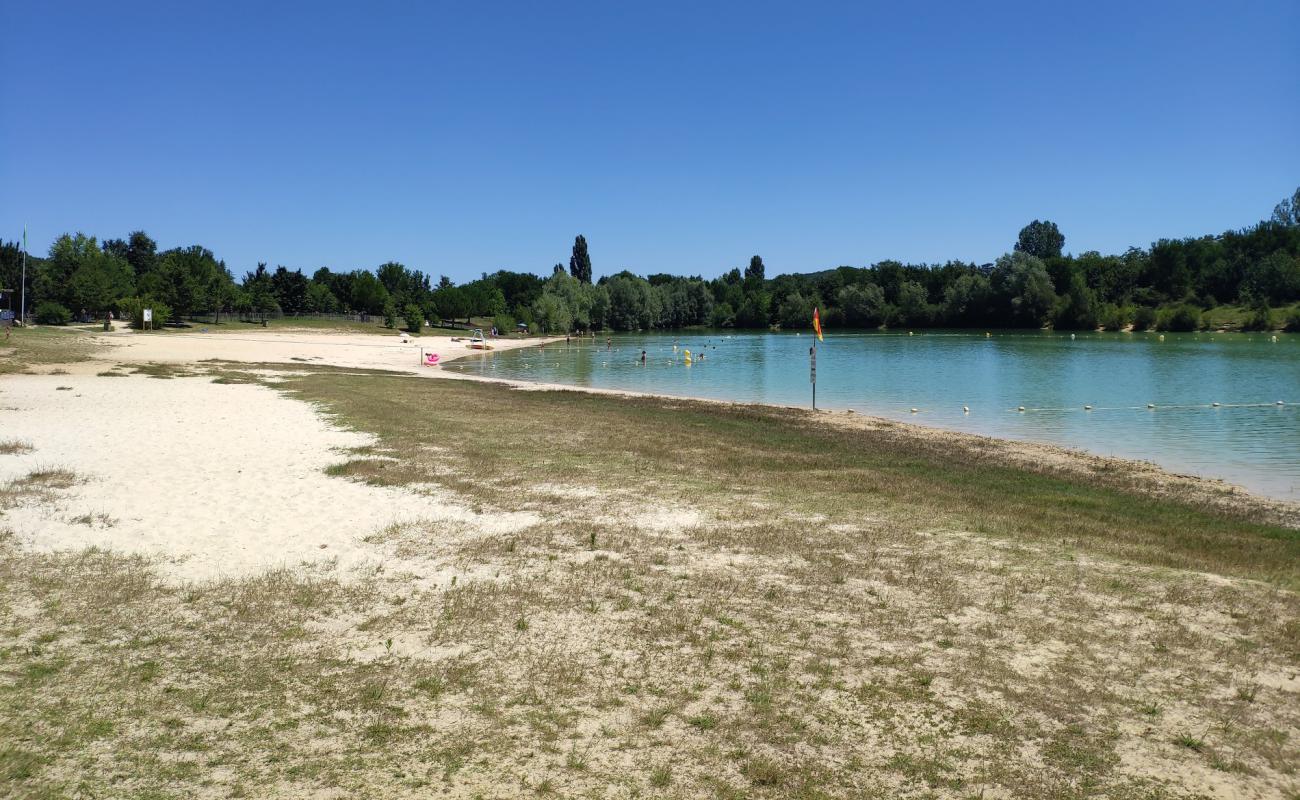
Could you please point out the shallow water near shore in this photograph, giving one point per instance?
(1248, 439)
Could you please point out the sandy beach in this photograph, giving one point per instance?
(421, 571)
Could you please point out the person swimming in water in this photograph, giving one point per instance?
(643, 358)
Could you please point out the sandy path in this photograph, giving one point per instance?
(216, 479)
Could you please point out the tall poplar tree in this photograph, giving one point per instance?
(580, 262)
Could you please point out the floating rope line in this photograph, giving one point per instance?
(1155, 407)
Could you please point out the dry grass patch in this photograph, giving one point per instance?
(15, 447)
(839, 615)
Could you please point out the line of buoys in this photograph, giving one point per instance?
(1154, 407)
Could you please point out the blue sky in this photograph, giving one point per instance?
(681, 137)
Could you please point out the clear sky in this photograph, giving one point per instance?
(684, 137)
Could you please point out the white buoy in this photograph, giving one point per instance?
(1274, 339)
(1072, 337)
(1162, 337)
(1151, 405)
(1087, 408)
(1280, 403)
(1215, 404)
(909, 333)
(914, 411)
(1020, 408)
(987, 335)
(965, 409)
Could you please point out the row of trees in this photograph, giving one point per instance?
(1033, 285)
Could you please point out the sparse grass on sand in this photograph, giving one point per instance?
(717, 601)
(42, 345)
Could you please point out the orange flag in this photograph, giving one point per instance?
(817, 325)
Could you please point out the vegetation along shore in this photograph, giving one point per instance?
(1246, 279)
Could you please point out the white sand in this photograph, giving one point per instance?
(216, 479)
(357, 351)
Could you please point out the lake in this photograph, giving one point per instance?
(1248, 439)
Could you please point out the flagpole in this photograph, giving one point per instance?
(23, 310)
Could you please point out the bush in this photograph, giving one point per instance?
(504, 323)
(51, 313)
(1293, 321)
(1182, 317)
(1143, 318)
(1112, 317)
(390, 315)
(132, 308)
(1260, 319)
(414, 317)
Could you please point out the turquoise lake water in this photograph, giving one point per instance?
(1249, 440)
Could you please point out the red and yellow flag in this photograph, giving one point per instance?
(817, 325)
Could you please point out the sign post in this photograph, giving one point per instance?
(148, 318)
(812, 372)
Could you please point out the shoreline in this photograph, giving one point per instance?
(342, 350)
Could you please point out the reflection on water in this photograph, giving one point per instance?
(1248, 439)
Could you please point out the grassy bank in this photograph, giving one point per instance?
(710, 601)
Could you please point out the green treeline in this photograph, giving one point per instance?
(1172, 285)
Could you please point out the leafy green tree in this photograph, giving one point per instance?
(551, 315)
(414, 317)
(754, 311)
(1040, 239)
(79, 274)
(368, 295)
(580, 261)
(1022, 284)
(318, 299)
(100, 282)
(1287, 212)
(1077, 308)
(404, 285)
(862, 305)
(260, 294)
(795, 311)
(1274, 278)
(913, 305)
(966, 300)
(290, 289)
(452, 303)
(390, 313)
(633, 302)
(188, 279)
(755, 272)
